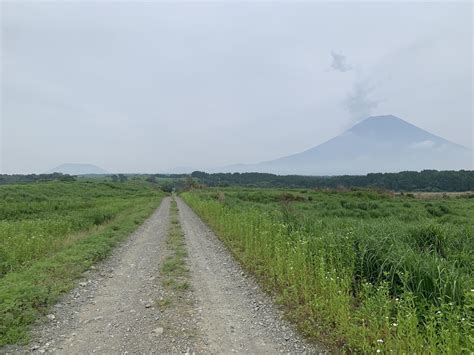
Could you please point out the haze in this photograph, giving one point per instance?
(147, 87)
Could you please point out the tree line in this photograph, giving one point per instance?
(426, 180)
(28, 178)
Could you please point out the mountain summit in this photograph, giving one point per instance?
(376, 144)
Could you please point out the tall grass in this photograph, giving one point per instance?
(51, 232)
(399, 279)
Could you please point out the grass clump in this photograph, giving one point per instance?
(164, 303)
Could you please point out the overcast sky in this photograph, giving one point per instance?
(146, 87)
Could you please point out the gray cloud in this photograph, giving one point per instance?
(360, 102)
(339, 62)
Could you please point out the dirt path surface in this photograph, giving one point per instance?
(124, 307)
(112, 309)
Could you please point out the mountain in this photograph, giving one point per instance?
(78, 169)
(181, 170)
(376, 144)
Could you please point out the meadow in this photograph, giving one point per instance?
(359, 270)
(51, 232)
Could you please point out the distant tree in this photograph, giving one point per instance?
(122, 177)
(67, 178)
(152, 179)
(167, 187)
(114, 178)
(190, 183)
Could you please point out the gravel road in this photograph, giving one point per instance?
(118, 307)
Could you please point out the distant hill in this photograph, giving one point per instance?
(376, 144)
(78, 169)
(181, 170)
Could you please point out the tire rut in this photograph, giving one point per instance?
(120, 317)
(113, 310)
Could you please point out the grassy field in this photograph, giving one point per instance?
(360, 270)
(51, 232)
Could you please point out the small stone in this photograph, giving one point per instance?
(158, 330)
(51, 316)
(83, 284)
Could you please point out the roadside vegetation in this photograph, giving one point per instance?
(175, 271)
(50, 232)
(176, 302)
(360, 270)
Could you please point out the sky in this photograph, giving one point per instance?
(151, 86)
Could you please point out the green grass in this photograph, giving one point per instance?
(51, 232)
(163, 303)
(174, 269)
(360, 270)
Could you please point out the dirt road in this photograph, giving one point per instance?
(121, 306)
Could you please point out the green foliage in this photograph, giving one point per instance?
(53, 231)
(22, 179)
(427, 180)
(364, 270)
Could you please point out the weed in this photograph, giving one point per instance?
(163, 303)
